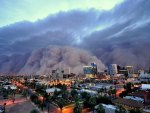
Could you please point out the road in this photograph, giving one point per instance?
(66, 109)
(20, 105)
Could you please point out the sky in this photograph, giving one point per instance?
(31, 10)
(112, 31)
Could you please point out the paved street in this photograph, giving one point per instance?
(21, 107)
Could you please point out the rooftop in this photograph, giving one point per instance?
(129, 102)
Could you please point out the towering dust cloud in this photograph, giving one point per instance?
(42, 61)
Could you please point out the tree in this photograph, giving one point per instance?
(24, 93)
(120, 110)
(77, 108)
(34, 111)
(103, 99)
(64, 87)
(113, 91)
(128, 86)
(85, 95)
(76, 98)
(124, 93)
(34, 98)
(33, 84)
(100, 109)
(65, 95)
(73, 92)
(100, 91)
(92, 103)
(61, 103)
(56, 93)
(135, 111)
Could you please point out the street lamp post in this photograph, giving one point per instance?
(4, 107)
(48, 107)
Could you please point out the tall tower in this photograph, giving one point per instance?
(113, 69)
(94, 68)
(130, 70)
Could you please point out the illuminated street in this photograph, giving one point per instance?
(66, 109)
(20, 105)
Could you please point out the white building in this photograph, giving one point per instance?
(91, 92)
(66, 70)
(13, 87)
(51, 91)
(145, 86)
(108, 108)
(57, 74)
(130, 70)
(138, 99)
(144, 76)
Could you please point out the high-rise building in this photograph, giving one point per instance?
(88, 71)
(57, 74)
(113, 69)
(94, 68)
(66, 70)
(130, 70)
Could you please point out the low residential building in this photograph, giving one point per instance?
(51, 91)
(91, 92)
(138, 99)
(144, 76)
(13, 87)
(142, 94)
(108, 108)
(128, 103)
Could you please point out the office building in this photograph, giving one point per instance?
(130, 70)
(113, 69)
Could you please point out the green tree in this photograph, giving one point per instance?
(64, 87)
(92, 103)
(77, 108)
(33, 84)
(100, 91)
(34, 98)
(100, 109)
(65, 95)
(128, 86)
(25, 93)
(113, 91)
(135, 111)
(120, 110)
(103, 99)
(61, 103)
(76, 98)
(56, 93)
(85, 95)
(73, 92)
(34, 111)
